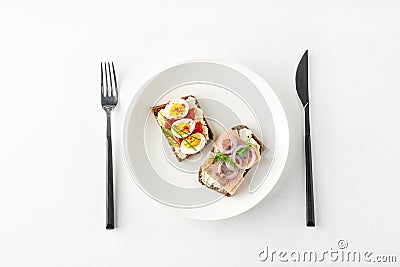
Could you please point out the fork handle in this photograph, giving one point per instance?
(110, 182)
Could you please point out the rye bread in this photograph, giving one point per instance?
(224, 192)
(156, 109)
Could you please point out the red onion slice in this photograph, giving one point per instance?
(238, 161)
(233, 144)
(235, 157)
(248, 158)
(231, 175)
(253, 158)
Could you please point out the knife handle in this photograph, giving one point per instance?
(310, 216)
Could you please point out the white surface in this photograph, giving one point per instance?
(53, 147)
(229, 95)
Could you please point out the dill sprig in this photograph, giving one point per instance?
(220, 157)
(243, 150)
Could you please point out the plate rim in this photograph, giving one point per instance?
(258, 81)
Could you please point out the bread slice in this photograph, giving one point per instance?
(221, 190)
(156, 109)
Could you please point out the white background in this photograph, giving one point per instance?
(52, 136)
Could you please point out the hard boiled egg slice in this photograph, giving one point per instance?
(197, 142)
(183, 127)
(176, 109)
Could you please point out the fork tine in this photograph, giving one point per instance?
(107, 90)
(115, 79)
(110, 79)
(102, 86)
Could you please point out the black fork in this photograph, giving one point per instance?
(109, 100)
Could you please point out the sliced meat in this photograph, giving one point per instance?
(227, 142)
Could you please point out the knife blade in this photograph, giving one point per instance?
(302, 92)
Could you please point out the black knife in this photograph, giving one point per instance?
(302, 92)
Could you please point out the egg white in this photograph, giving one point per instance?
(174, 101)
(190, 150)
(192, 126)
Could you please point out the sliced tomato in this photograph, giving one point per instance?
(198, 127)
(170, 122)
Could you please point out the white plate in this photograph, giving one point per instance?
(229, 95)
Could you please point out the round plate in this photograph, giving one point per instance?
(229, 95)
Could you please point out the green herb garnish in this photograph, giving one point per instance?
(184, 139)
(179, 130)
(182, 131)
(220, 157)
(170, 137)
(243, 150)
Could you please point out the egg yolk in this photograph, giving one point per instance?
(183, 128)
(194, 140)
(177, 109)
